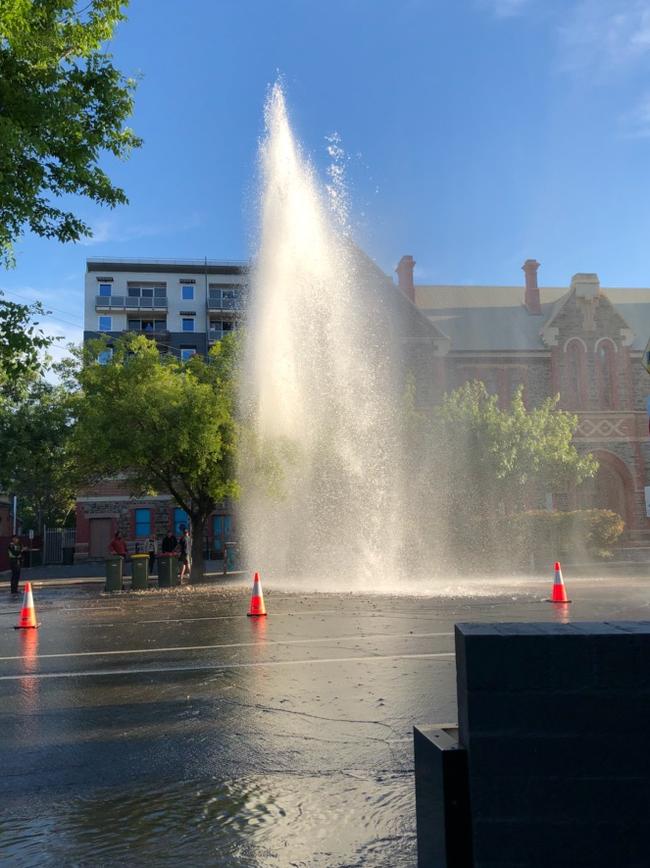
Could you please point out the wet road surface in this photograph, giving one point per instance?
(164, 726)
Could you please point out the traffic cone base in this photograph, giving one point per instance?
(27, 619)
(558, 594)
(257, 607)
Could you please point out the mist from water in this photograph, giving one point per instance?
(322, 487)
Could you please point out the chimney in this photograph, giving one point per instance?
(531, 296)
(404, 273)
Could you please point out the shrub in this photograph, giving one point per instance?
(549, 536)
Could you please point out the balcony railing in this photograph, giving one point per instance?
(158, 334)
(225, 304)
(218, 334)
(126, 302)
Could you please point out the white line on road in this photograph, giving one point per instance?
(238, 617)
(209, 667)
(259, 644)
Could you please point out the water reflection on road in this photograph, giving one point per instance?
(153, 729)
(316, 820)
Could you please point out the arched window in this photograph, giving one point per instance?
(606, 374)
(575, 376)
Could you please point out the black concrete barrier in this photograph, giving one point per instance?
(441, 799)
(555, 722)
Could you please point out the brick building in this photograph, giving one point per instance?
(583, 341)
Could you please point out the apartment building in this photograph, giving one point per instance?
(185, 306)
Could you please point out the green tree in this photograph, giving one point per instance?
(479, 462)
(22, 345)
(62, 106)
(35, 460)
(504, 451)
(166, 426)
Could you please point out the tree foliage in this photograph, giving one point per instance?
(62, 106)
(479, 462)
(35, 461)
(502, 452)
(22, 344)
(166, 426)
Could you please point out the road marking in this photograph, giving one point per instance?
(217, 667)
(238, 617)
(259, 644)
(416, 615)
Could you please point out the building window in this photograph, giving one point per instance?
(222, 528)
(224, 297)
(149, 326)
(105, 323)
(606, 367)
(181, 520)
(575, 376)
(188, 324)
(187, 353)
(142, 522)
(105, 290)
(187, 293)
(105, 356)
(220, 328)
(147, 291)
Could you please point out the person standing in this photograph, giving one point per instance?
(151, 548)
(15, 552)
(185, 546)
(169, 543)
(118, 547)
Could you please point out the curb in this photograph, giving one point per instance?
(208, 579)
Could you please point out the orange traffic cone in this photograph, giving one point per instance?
(257, 606)
(559, 591)
(27, 617)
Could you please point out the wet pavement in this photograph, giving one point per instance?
(166, 725)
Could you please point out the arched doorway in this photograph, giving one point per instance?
(611, 488)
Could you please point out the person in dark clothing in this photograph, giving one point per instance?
(15, 552)
(185, 546)
(169, 543)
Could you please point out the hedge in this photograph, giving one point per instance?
(545, 535)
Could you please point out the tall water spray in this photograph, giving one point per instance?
(320, 469)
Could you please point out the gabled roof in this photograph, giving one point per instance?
(492, 318)
(415, 324)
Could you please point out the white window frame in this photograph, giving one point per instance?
(187, 353)
(99, 323)
(187, 319)
(187, 287)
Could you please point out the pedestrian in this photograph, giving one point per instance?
(118, 547)
(151, 547)
(185, 547)
(169, 543)
(15, 552)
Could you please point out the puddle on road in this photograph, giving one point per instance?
(326, 820)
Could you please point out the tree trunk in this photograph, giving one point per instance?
(198, 523)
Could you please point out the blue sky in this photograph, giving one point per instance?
(477, 133)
